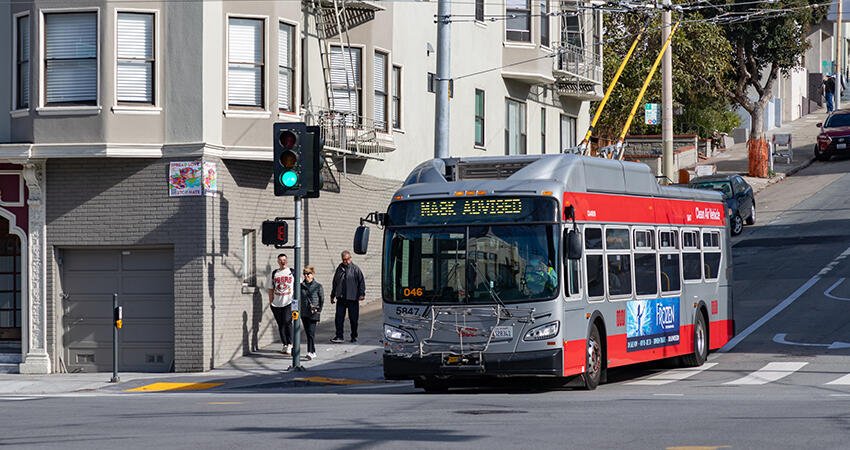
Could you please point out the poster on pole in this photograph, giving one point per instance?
(210, 179)
(652, 114)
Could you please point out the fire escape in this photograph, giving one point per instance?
(347, 133)
(578, 66)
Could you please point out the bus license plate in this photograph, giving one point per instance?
(503, 332)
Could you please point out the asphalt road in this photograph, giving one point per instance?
(783, 383)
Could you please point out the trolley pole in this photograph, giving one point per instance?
(667, 97)
(296, 293)
(444, 47)
(116, 324)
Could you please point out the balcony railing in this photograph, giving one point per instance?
(578, 71)
(351, 134)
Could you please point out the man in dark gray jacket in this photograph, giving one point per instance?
(349, 289)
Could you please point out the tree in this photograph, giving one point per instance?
(700, 61)
(765, 45)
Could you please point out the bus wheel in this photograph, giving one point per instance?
(700, 343)
(593, 360)
(431, 385)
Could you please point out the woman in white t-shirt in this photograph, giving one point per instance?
(281, 282)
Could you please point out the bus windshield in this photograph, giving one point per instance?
(486, 264)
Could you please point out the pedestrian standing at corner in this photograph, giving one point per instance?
(349, 289)
(280, 284)
(829, 92)
(312, 301)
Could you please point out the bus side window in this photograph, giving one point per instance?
(573, 274)
(670, 279)
(595, 281)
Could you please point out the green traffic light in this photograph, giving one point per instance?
(289, 178)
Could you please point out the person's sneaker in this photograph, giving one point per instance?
(287, 349)
(311, 355)
(353, 340)
(337, 340)
(307, 357)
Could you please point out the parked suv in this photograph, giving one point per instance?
(834, 137)
(739, 197)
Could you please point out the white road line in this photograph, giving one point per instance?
(673, 375)
(843, 380)
(785, 303)
(771, 372)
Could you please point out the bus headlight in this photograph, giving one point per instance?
(545, 331)
(394, 334)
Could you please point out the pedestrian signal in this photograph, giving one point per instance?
(275, 232)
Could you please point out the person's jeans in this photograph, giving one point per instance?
(310, 330)
(353, 308)
(830, 104)
(283, 317)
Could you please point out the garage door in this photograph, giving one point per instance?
(143, 279)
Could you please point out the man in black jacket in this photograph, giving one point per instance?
(349, 289)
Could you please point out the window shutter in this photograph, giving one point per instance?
(345, 78)
(135, 57)
(284, 58)
(380, 73)
(245, 72)
(71, 57)
(23, 59)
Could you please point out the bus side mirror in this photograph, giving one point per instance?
(572, 244)
(361, 240)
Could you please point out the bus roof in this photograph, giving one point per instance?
(534, 174)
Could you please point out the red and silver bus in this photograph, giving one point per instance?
(551, 266)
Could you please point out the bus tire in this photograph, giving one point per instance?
(593, 363)
(431, 385)
(698, 357)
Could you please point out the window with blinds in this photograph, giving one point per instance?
(134, 79)
(345, 81)
(396, 97)
(70, 58)
(285, 67)
(380, 73)
(245, 58)
(515, 134)
(22, 62)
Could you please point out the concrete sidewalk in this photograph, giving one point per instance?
(266, 368)
(735, 159)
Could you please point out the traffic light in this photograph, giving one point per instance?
(297, 160)
(288, 159)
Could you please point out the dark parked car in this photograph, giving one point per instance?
(834, 137)
(738, 195)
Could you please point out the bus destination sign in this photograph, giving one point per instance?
(471, 207)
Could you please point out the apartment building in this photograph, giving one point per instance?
(135, 152)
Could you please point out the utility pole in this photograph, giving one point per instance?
(839, 60)
(444, 46)
(667, 97)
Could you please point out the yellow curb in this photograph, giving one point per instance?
(162, 386)
(339, 381)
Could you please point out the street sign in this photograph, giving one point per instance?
(652, 114)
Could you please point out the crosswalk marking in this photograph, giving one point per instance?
(771, 372)
(843, 380)
(673, 375)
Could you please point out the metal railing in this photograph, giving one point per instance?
(350, 132)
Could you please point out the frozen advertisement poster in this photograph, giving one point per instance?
(652, 323)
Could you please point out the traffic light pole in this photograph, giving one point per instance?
(296, 297)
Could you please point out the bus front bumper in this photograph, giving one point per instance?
(535, 363)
